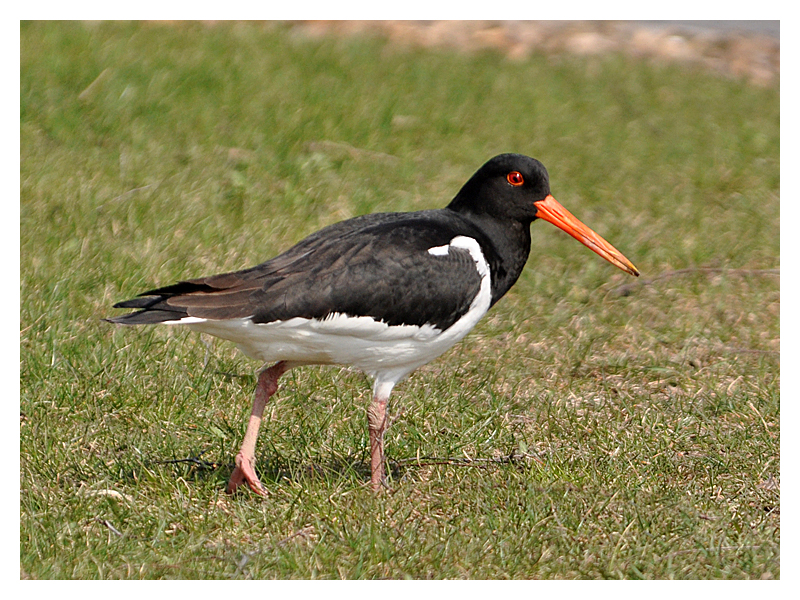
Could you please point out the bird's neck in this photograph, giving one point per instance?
(506, 245)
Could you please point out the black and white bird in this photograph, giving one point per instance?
(385, 293)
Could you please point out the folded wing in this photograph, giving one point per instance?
(369, 266)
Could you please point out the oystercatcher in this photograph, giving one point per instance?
(384, 292)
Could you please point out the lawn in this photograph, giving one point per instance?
(591, 426)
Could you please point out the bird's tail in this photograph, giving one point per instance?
(152, 310)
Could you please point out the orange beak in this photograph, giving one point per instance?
(552, 212)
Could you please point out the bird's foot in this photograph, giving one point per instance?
(245, 473)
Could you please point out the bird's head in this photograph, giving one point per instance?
(517, 187)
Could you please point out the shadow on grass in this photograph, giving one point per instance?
(274, 471)
(270, 471)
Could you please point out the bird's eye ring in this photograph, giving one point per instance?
(515, 178)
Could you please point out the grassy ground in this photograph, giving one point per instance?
(644, 418)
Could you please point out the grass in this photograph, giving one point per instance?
(645, 418)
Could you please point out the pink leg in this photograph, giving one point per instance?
(377, 426)
(245, 460)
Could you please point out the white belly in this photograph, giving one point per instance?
(377, 349)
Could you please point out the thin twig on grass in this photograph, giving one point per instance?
(626, 289)
(193, 460)
(480, 463)
(110, 527)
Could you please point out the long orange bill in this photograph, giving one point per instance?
(552, 212)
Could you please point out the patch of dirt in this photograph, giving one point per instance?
(753, 57)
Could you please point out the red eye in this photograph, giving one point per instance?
(515, 178)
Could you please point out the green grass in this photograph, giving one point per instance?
(647, 423)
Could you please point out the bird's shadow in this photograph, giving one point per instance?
(274, 471)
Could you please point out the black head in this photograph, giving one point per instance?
(511, 189)
(506, 187)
